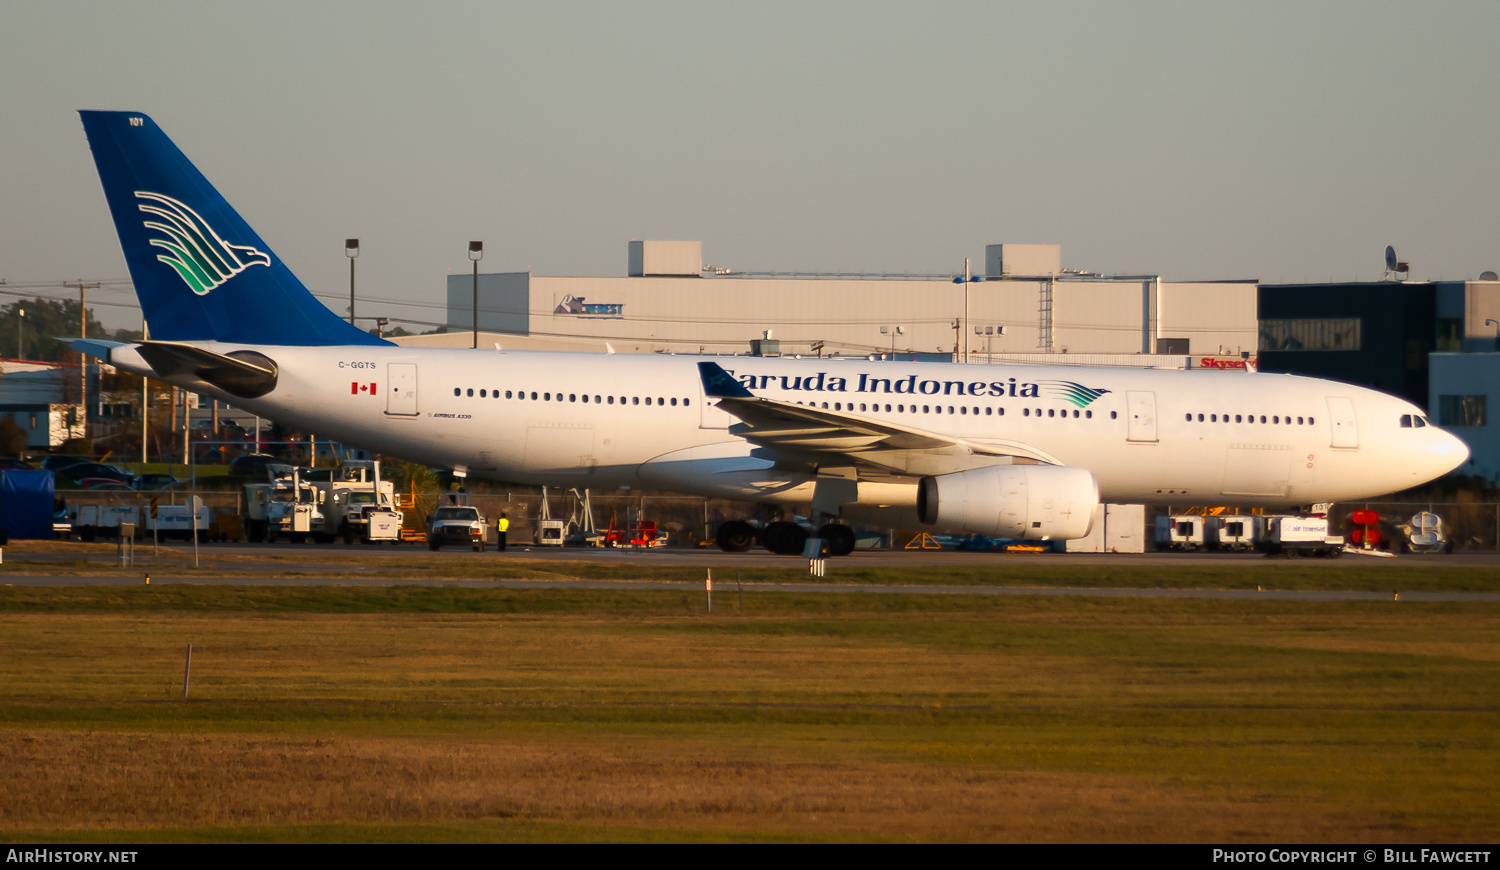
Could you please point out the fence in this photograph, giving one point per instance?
(1470, 525)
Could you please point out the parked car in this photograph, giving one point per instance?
(156, 481)
(103, 483)
(253, 464)
(61, 463)
(81, 471)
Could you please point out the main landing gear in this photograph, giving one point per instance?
(784, 538)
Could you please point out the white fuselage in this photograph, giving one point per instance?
(624, 420)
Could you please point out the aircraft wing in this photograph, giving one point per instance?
(821, 436)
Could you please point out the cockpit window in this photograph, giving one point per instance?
(1406, 421)
(1421, 421)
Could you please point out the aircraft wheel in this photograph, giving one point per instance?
(785, 539)
(837, 538)
(735, 536)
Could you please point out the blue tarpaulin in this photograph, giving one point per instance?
(26, 504)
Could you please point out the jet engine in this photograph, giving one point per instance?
(1030, 502)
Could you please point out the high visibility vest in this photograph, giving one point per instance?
(502, 525)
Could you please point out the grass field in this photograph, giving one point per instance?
(442, 714)
(176, 561)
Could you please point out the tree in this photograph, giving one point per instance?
(46, 320)
(12, 438)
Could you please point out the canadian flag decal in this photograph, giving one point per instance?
(355, 388)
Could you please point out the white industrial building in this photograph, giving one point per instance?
(668, 302)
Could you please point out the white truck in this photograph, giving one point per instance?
(1300, 536)
(358, 504)
(459, 524)
(92, 521)
(286, 506)
(177, 521)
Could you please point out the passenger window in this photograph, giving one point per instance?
(648, 400)
(636, 400)
(457, 391)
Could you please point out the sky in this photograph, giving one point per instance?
(1281, 141)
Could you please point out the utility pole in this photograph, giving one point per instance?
(83, 370)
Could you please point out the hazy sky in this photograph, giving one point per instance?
(1286, 141)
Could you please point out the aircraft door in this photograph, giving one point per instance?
(1345, 424)
(401, 395)
(1142, 409)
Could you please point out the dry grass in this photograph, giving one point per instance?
(191, 781)
(1029, 719)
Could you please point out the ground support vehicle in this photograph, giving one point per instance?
(286, 506)
(1234, 532)
(1181, 532)
(92, 521)
(177, 521)
(1300, 536)
(456, 524)
(358, 504)
(1426, 534)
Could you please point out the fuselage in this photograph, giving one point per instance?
(623, 420)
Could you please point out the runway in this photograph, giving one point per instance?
(330, 566)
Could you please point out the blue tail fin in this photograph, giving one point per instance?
(199, 270)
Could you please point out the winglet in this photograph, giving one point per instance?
(719, 384)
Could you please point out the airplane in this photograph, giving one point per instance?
(1010, 451)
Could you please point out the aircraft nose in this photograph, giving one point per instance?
(1447, 452)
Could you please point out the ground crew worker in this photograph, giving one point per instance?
(502, 526)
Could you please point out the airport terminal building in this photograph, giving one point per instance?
(1022, 303)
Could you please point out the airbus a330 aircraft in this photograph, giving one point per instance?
(1003, 450)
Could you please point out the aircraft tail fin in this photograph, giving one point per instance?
(201, 272)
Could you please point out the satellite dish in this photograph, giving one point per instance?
(1390, 258)
(1488, 276)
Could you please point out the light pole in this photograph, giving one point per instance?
(476, 253)
(351, 250)
(892, 331)
(20, 330)
(989, 332)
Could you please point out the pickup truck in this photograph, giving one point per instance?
(458, 524)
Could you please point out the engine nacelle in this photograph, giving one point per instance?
(1028, 502)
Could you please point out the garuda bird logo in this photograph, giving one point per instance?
(1075, 394)
(200, 255)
